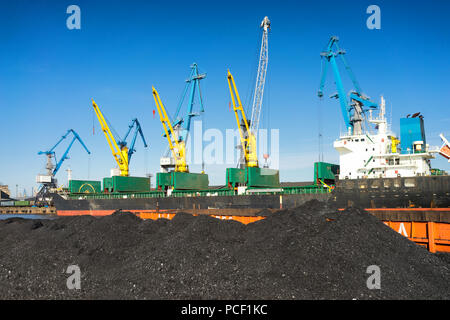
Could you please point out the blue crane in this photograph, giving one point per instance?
(354, 108)
(182, 124)
(48, 181)
(51, 153)
(123, 143)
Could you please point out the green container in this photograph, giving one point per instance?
(130, 184)
(21, 203)
(189, 181)
(326, 172)
(85, 186)
(107, 184)
(235, 176)
(262, 178)
(163, 180)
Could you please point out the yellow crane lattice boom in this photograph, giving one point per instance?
(120, 154)
(248, 140)
(178, 148)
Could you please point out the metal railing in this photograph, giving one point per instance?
(312, 189)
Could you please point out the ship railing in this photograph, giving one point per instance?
(311, 189)
(129, 195)
(202, 193)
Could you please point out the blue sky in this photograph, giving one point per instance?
(48, 74)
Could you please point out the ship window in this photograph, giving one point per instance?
(373, 160)
(397, 161)
(366, 149)
(391, 162)
(373, 149)
(357, 140)
(362, 140)
(410, 183)
(375, 184)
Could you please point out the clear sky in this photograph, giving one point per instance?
(48, 74)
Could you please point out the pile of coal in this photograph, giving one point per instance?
(311, 252)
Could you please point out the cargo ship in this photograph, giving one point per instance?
(389, 176)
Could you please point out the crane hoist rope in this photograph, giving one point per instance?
(248, 140)
(177, 147)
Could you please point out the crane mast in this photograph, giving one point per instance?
(260, 77)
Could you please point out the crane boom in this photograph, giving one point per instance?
(248, 140)
(120, 154)
(260, 77)
(177, 147)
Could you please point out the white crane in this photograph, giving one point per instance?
(259, 88)
(260, 77)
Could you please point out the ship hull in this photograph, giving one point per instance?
(414, 192)
(234, 203)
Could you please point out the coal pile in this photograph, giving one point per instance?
(311, 252)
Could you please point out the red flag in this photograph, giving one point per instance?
(153, 113)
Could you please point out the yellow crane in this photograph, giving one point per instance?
(178, 148)
(120, 153)
(248, 139)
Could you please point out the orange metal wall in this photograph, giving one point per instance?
(434, 235)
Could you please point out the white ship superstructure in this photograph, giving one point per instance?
(379, 155)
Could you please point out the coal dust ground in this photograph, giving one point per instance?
(311, 252)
